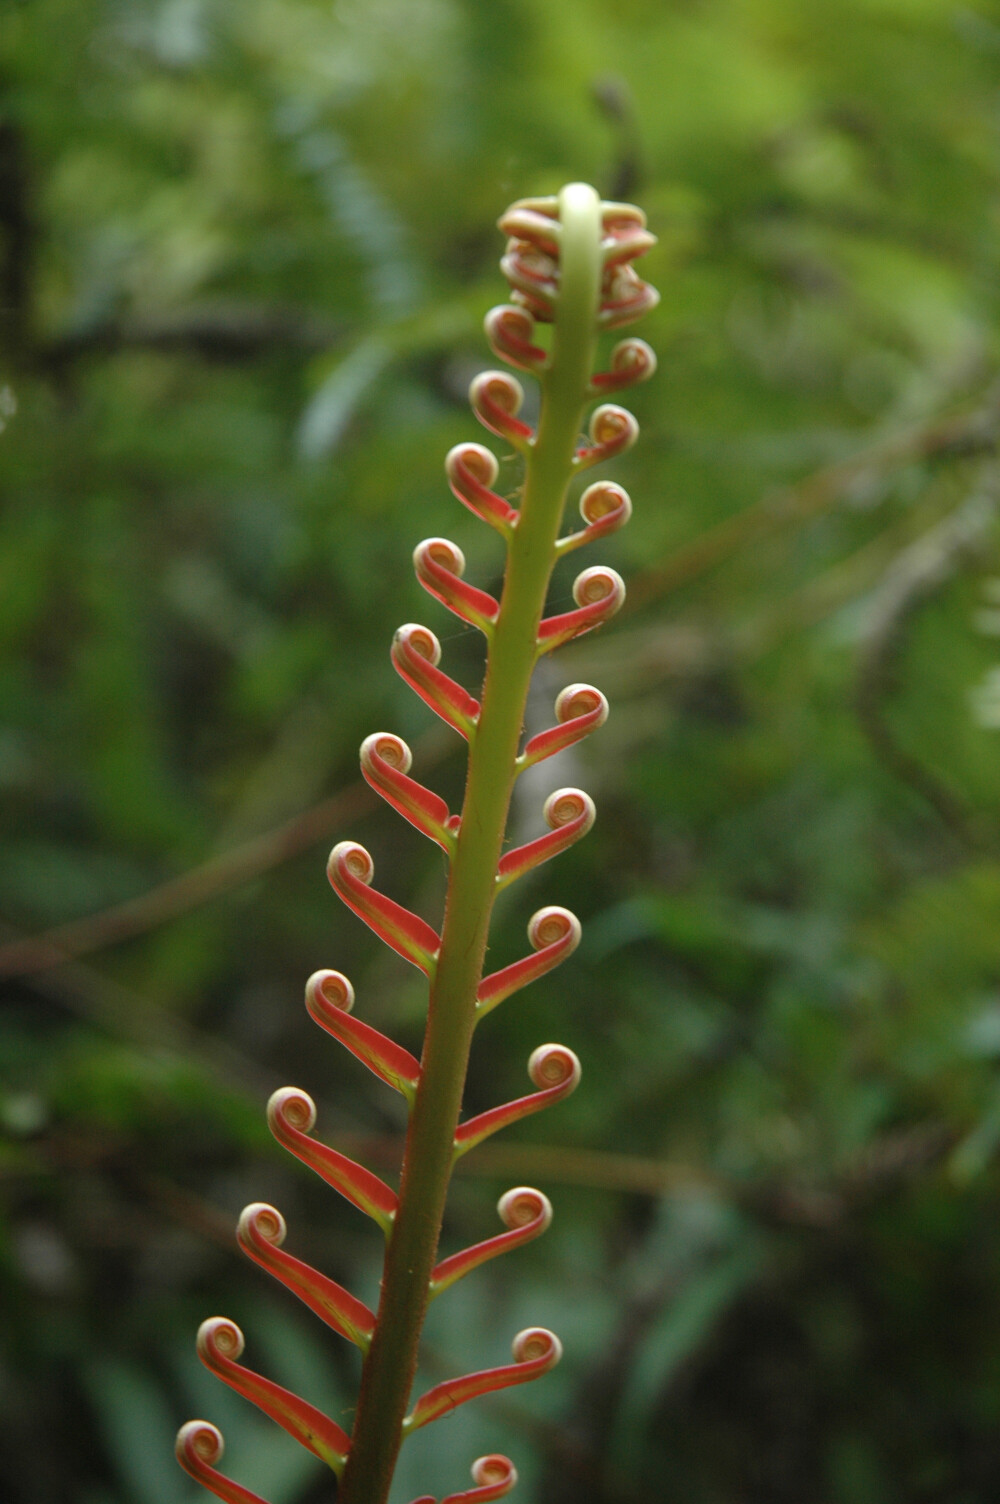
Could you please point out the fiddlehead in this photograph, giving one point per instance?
(555, 934)
(605, 508)
(220, 1347)
(555, 1072)
(416, 654)
(569, 261)
(350, 870)
(260, 1232)
(599, 594)
(385, 762)
(569, 813)
(525, 1212)
(580, 709)
(535, 1351)
(329, 1000)
(291, 1115)
(199, 1446)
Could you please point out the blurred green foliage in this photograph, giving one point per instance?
(244, 251)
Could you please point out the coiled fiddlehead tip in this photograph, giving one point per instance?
(440, 551)
(493, 1470)
(390, 748)
(510, 330)
(554, 1065)
(481, 462)
(605, 499)
(262, 1223)
(329, 989)
(613, 427)
(496, 399)
(569, 814)
(580, 709)
(495, 1476)
(523, 1205)
(350, 870)
(352, 858)
(536, 220)
(633, 359)
(566, 805)
(292, 1108)
(599, 584)
(497, 389)
(580, 699)
(419, 640)
(555, 1073)
(440, 565)
(551, 924)
(599, 594)
(621, 218)
(472, 470)
(628, 298)
(536, 1344)
(199, 1444)
(218, 1336)
(509, 322)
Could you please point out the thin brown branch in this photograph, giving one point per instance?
(190, 889)
(968, 433)
(178, 895)
(222, 332)
(107, 1004)
(220, 874)
(913, 577)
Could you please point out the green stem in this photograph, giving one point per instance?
(391, 1363)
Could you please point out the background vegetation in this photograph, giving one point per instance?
(244, 252)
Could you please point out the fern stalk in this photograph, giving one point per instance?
(569, 263)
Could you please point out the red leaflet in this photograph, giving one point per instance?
(350, 870)
(385, 762)
(580, 709)
(553, 1068)
(329, 999)
(625, 235)
(439, 566)
(624, 296)
(496, 400)
(555, 934)
(600, 593)
(509, 330)
(619, 220)
(527, 221)
(524, 1211)
(570, 813)
(536, 1350)
(534, 278)
(495, 1476)
(198, 1445)
(290, 1115)
(471, 470)
(260, 1233)
(416, 653)
(612, 430)
(220, 1343)
(632, 361)
(627, 244)
(605, 507)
